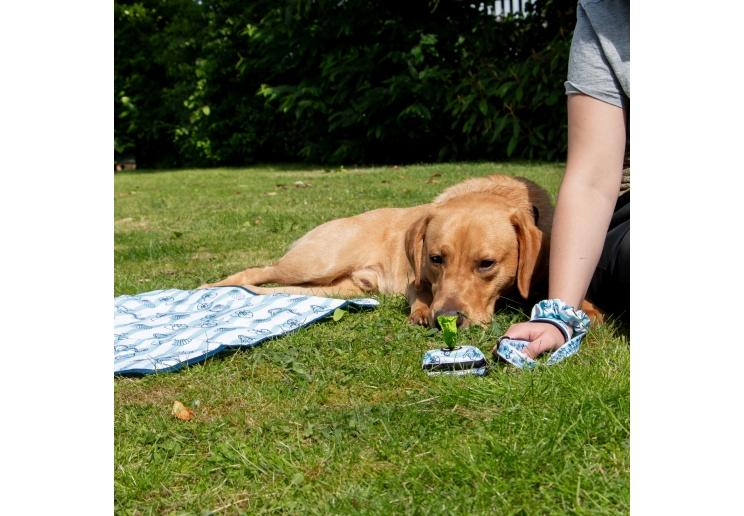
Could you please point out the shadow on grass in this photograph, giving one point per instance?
(305, 167)
(270, 167)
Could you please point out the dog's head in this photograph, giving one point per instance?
(471, 249)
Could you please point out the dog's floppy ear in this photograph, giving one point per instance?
(534, 248)
(415, 246)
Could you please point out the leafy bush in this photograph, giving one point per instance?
(370, 81)
(156, 46)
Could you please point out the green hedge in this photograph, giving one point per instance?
(231, 83)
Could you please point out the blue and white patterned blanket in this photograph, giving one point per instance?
(165, 330)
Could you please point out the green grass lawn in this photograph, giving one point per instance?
(339, 418)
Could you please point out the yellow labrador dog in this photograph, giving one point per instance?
(478, 240)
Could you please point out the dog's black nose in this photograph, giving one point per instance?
(448, 312)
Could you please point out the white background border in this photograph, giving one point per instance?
(687, 190)
(57, 194)
(57, 256)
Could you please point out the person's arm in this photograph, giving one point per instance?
(596, 147)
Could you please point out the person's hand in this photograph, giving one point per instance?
(542, 336)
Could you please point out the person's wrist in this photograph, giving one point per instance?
(561, 315)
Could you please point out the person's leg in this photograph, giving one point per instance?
(610, 286)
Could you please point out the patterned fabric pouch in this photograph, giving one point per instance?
(456, 361)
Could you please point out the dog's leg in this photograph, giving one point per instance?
(249, 277)
(320, 258)
(596, 315)
(291, 269)
(346, 287)
(420, 301)
(357, 283)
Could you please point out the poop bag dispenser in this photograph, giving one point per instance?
(453, 359)
(458, 361)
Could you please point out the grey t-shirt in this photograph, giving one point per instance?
(599, 63)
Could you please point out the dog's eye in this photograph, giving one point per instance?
(436, 259)
(486, 264)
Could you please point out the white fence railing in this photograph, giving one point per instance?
(503, 8)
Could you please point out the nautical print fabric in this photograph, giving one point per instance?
(165, 330)
(458, 361)
(553, 311)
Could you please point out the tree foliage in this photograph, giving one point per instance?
(223, 82)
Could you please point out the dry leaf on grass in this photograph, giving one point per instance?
(270, 193)
(181, 411)
(128, 219)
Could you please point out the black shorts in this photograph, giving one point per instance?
(610, 285)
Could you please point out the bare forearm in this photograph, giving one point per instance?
(596, 144)
(578, 236)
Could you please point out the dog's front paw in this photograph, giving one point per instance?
(419, 317)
